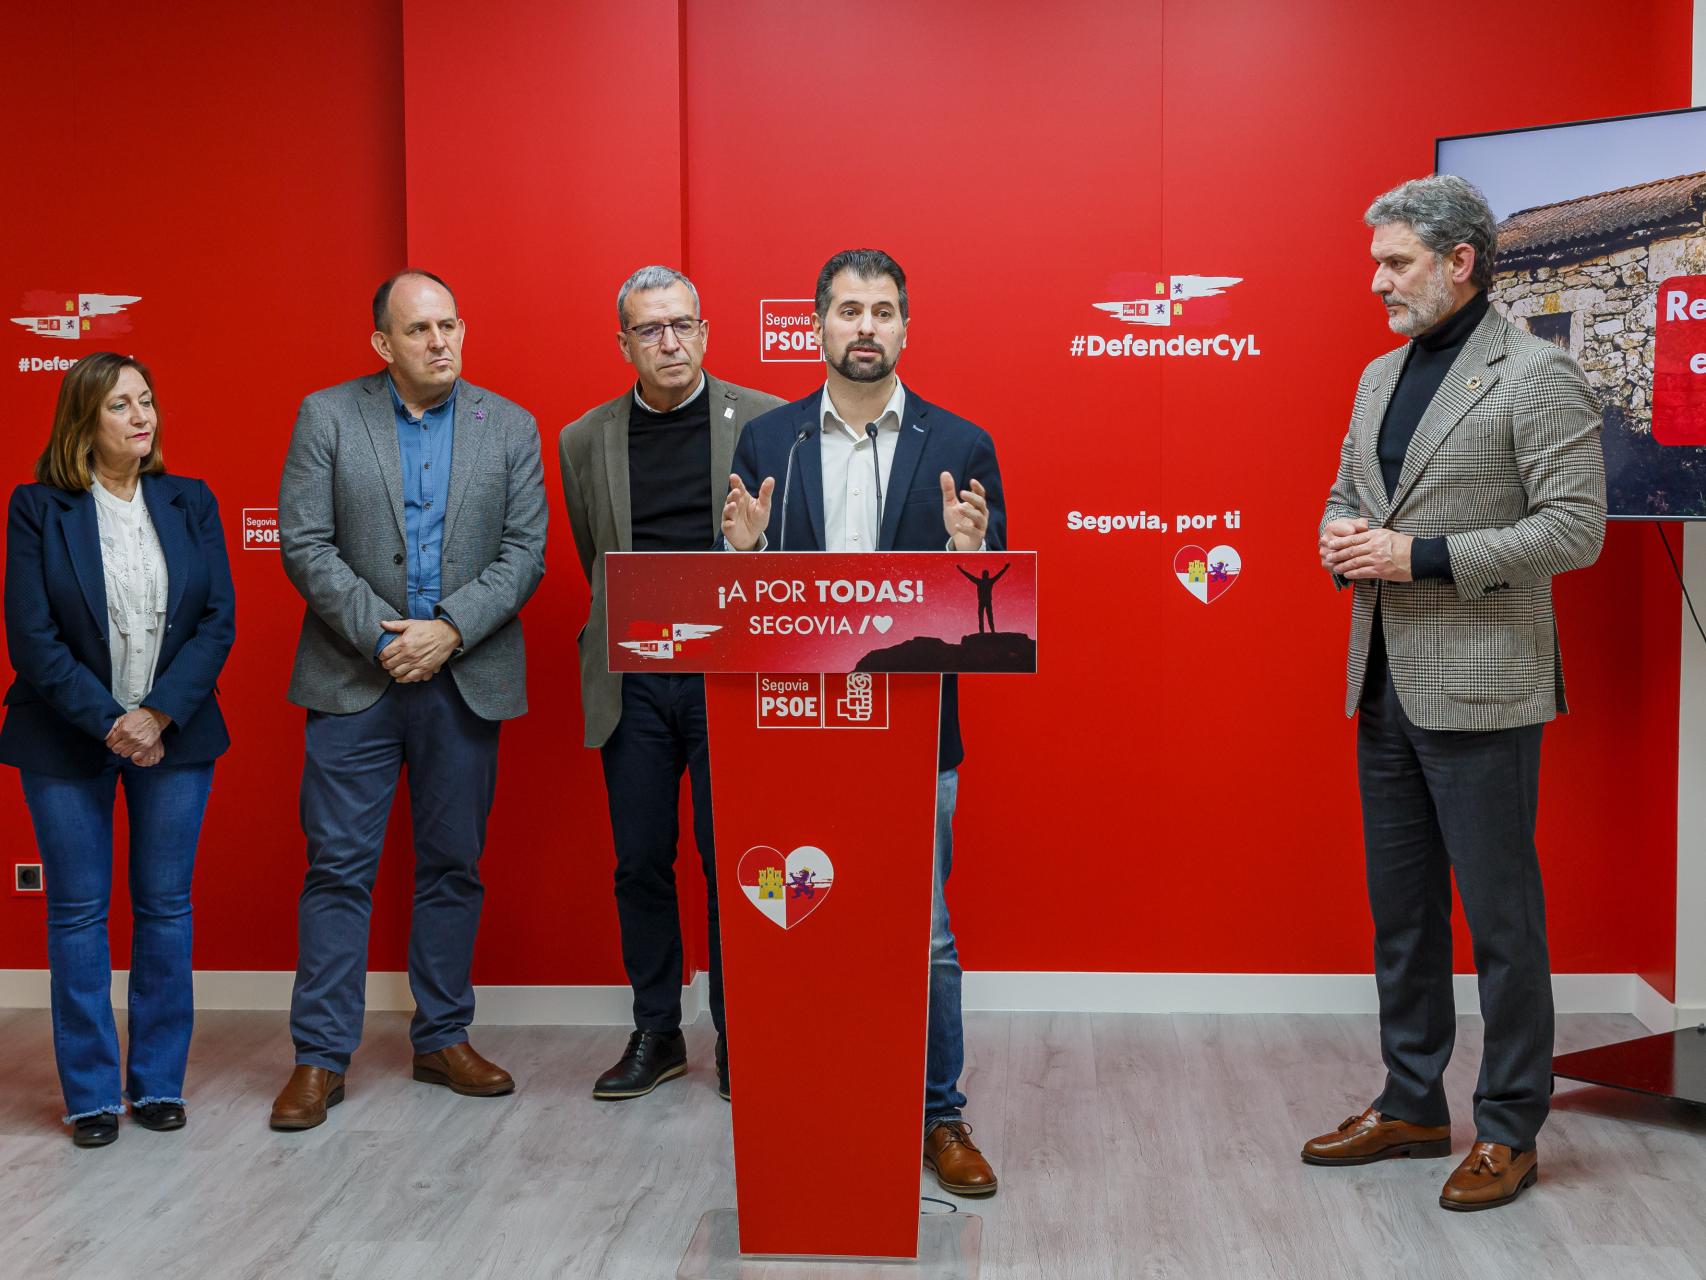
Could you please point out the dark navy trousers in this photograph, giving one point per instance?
(662, 732)
(349, 779)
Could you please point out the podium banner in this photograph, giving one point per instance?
(823, 888)
(913, 611)
(823, 698)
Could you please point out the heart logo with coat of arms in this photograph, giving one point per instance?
(786, 888)
(1207, 575)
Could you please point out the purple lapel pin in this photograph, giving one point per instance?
(479, 415)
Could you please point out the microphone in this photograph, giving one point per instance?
(877, 469)
(788, 475)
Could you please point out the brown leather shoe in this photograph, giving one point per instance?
(1490, 1175)
(463, 1071)
(958, 1165)
(1369, 1137)
(303, 1101)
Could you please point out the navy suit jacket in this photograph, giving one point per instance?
(60, 707)
(932, 441)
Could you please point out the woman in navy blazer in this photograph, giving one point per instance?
(119, 616)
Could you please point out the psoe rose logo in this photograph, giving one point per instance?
(854, 700)
(260, 528)
(70, 316)
(785, 331)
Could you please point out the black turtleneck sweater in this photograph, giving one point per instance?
(669, 470)
(1429, 360)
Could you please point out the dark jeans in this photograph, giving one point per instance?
(73, 820)
(1437, 804)
(662, 732)
(349, 779)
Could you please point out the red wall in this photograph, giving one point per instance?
(1179, 777)
(533, 197)
(240, 168)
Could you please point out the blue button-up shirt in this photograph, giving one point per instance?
(425, 446)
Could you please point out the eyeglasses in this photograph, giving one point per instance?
(685, 328)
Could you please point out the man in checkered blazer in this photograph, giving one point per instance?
(1471, 474)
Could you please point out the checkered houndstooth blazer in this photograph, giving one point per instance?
(1506, 465)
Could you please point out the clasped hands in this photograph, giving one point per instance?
(965, 513)
(1352, 550)
(136, 736)
(422, 646)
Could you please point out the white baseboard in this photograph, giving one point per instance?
(575, 1006)
(1012, 991)
(1273, 993)
(387, 992)
(1658, 1014)
(1686, 1016)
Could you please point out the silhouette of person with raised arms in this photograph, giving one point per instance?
(985, 585)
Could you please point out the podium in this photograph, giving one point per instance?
(823, 676)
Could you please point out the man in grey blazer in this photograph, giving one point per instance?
(1471, 475)
(412, 520)
(648, 471)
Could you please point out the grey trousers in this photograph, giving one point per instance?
(1438, 804)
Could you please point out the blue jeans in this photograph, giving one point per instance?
(73, 819)
(945, 1051)
(349, 780)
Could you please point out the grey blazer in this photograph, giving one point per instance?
(1506, 465)
(340, 517)
(594, 453)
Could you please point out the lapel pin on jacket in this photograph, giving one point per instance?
(1474, 384)
(479, 415)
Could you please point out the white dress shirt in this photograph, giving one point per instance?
(851, 520)
(850, 513)
(641, 400)
(134, 566)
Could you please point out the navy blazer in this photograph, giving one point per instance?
(932, 441)
(60, 708)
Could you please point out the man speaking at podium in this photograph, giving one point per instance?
(866, 465)
(1470, 476)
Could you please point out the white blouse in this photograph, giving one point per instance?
(135, 569)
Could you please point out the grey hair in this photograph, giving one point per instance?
(650, 278)
(1444, 211)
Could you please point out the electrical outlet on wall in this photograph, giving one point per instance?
(26, 879)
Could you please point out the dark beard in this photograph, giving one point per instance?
(862, 373)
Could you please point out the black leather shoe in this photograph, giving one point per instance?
(159, 1116)
(651, 1058)
(95, 1131)
(722, 1068)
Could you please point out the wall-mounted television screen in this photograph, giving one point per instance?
(1593, 217)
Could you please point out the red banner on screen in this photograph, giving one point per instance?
(809, 611)
(1679, 362)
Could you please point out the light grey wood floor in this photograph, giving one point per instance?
(1128, 1146)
